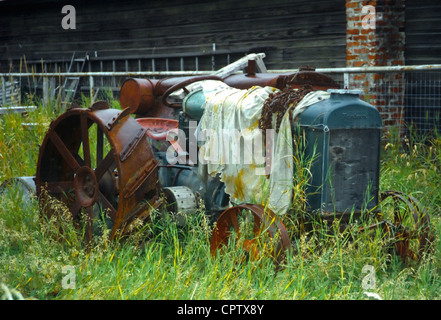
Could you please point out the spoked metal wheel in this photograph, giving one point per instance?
(256, 230)
(98, 162)
(408, 223)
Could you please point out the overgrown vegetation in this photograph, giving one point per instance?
(162, 260)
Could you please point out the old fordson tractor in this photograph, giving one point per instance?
(226, 142)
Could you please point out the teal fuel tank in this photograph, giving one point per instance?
(192, 105)
(343, 134)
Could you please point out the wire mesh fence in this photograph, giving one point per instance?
(422, 101)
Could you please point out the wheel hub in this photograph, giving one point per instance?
(86, 186)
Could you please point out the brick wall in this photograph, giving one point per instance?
(375, 37)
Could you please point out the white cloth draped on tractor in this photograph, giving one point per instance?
(255, 166)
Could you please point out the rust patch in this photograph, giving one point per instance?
(238, 183)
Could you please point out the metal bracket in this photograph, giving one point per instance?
(114, 120)
(139, 177)
(128, 149)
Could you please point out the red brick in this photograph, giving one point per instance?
(359, 63)
(361, 50)
(359, 77)
(353, 18)
(396, 115)
(352, 43)
(358, 25)
(378, 76)
(389, 123)
(367, 31)
(360, 38)
(352, 4)
(352, 57)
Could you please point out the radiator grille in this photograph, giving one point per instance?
(352, 178)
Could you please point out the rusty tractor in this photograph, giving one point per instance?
(117, 162)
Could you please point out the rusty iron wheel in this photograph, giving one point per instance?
(256, 230)
(99, 164)
(411, 228)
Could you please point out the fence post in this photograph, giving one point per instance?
(346, 80)
(91, 88)
(3, 90)
(45, 91)
(90, 83)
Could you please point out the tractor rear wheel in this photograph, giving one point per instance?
(99, 164)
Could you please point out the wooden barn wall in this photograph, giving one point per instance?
(291, 33)
(423, 46)
(423, 32)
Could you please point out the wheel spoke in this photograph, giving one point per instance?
(104, 166)
(99, 146)
(85, 140)
(64, 151)
(89, 224)
(75, 209)
(107, 205)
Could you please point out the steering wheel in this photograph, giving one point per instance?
(182, 85)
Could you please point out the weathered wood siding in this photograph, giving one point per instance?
(423, 46)
(291, 32)
(423, 32)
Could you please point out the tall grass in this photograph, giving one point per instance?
(164, 260)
